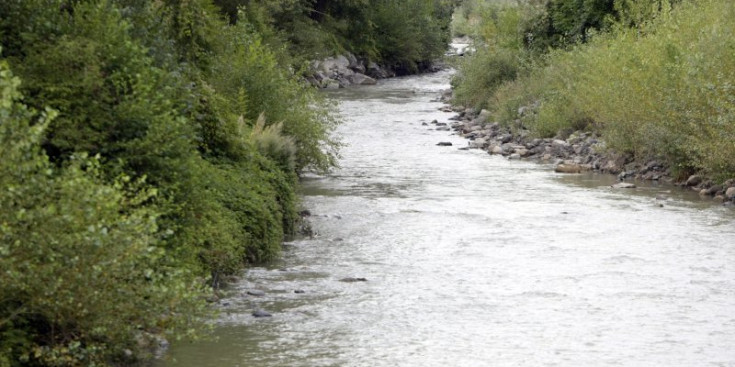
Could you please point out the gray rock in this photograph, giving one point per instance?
(330, 84)
(730, 193)
(623, 185)
(444, 143)
(352, 280)
(362, 79)
(496, 150)
(514, 156)
(483, 117)
(299, 291)
(261, 313)
(568, 168)
(256, 293)
(694, 180)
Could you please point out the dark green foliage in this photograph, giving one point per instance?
(568, 21)
(378, 30)
(186, 186)
(72, 249)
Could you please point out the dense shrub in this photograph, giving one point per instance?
(73, 249)
(101, 256)
(657, 84)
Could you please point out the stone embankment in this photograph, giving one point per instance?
(341, 71)
(345, 70)
(571, 152)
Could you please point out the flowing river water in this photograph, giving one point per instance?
(474, 260)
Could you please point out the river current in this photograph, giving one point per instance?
(475, 260)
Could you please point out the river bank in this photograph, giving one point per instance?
(345, 70)
(515, 265)
(572, 152)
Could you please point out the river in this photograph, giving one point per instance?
(475, 260)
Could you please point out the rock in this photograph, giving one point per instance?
(362, 79)
(496, 150)
(568, 168)
(478, 143)
(444, 128)
(483, 117)
(730, 193)
(353, 280)
(719, 199)
(305, 213)
(623, 185)
(444, 143)
(299, 291)
(256, 293)
(694, 180)
(261, 313)
(514, 156)
(330, 84)
(712, 191)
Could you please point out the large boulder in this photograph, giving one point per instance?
(694, 180)
(362, 79)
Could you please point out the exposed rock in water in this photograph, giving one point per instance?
(256, 293)
(362, 79)
(261, 313)
(694, 180)
(569, 168)
(353, 280)
(624, 185)
(444, 144)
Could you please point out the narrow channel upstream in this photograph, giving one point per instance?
(474, 260)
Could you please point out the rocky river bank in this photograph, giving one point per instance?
(572, 152)
(345, 70)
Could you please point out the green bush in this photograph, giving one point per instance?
(75, 248)
(662, 89)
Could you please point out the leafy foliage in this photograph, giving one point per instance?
(74, 247)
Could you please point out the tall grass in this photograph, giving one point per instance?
(659, 84)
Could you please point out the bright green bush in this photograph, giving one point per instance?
(662, 89)
(84, 278)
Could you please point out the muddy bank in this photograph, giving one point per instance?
(572, 152)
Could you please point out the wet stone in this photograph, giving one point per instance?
(624, 185)
(353, 280)
(261, 313)
(444, 144)
(256, 293)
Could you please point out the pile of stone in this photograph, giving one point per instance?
(344, 70)
(571, 152)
